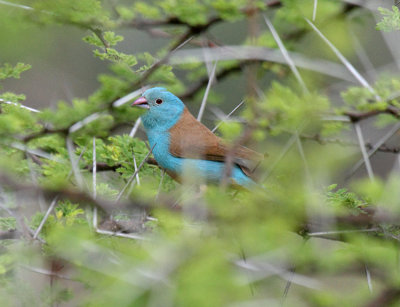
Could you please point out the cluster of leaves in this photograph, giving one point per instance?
(65, 215)
(105, 41)
(202, 247)
(342, 198)
(8, 71)
(391, 19)
(363, 99)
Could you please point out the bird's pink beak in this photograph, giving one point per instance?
(141, 102)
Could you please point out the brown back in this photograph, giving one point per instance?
(191, 139)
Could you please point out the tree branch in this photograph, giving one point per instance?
(357, 116)
(223, 73)
(104, 205)
(191, 31)
(44, 131)
(101, 166)
(11, 234)
(386, 298)
(323, 141)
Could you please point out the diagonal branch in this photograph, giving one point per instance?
(357, 116)
(80, 197)
(221, 74)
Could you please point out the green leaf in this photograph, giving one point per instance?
(126, 13)
(9, 71)
(7, 223)
(390, 21)
(88, 14)
(147, 10)
(190, 11)
(109, 37)
(112, 39)
(116, 57)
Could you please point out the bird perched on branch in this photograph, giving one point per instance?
(181, 142)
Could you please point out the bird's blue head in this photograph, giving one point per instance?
(163, 108)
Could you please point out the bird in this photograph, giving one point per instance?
(180, 142)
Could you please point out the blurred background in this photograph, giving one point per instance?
(316, 237)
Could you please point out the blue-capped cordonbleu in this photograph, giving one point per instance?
(180, 141)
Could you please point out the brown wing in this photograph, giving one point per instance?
(191, 139)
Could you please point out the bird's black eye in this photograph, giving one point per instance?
(159, 101)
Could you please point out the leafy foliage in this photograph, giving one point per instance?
(8, 71)
(106, 40)
(343, 198)
(391, 19)
(122, 232)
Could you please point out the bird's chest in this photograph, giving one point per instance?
(160, 142)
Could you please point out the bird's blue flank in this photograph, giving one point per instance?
(157, 122)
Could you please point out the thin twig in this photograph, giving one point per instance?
(283, 153)
(74, 163)
(270, 269)
(254, 53)
(287, 286)
(339, 232)
(207, 62)
(375, 148)
(364, 151)
(94, 176)
(204, 101)
(346, 63)
(222, 73)
(369, 281)
(20, 6)
(122, 235)
(135, 128)
(19, 105)
(229, 115)
(183, 40)
(285, 54)
(303, 157)
(46, 216)
(127, 98)
(362, 55)
(134, 174)
(80, 124)
(46, 272)
(136, 169)
(301, 82)
(36, 152)
(314, 15)
(94, 169)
